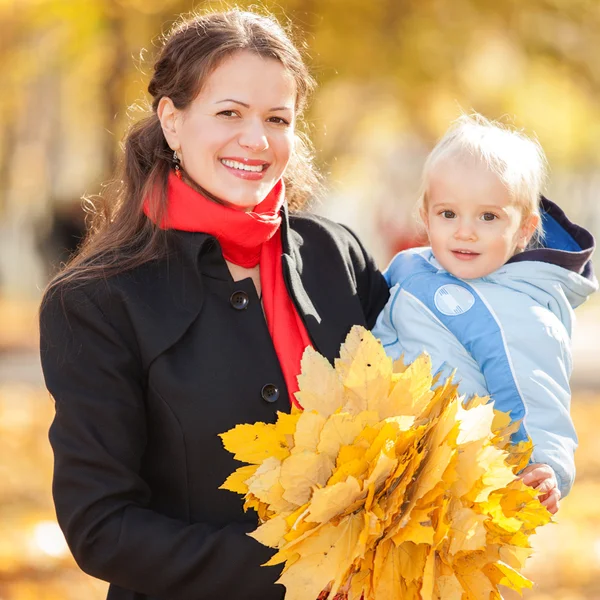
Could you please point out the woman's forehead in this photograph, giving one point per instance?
(249, 78)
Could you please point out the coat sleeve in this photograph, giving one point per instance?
(372, 287)
(98, 437)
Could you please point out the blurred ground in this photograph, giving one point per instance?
(35, 563)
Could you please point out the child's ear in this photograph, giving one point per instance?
(528, 228)
(424, 217)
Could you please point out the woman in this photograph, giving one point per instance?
(187, 312)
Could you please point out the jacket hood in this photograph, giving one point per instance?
(564, 243)
(559, 265)
(563, 255)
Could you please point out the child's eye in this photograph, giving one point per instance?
(489, 217)
(448, 214)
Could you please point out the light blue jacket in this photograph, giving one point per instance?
(508, 334)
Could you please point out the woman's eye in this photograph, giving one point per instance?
(228, 113)
(447, 214)
(279, 121)
(488, 217)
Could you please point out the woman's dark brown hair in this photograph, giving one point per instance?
(120, 237)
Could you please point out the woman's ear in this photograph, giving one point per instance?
(528, 227)
(169, 116)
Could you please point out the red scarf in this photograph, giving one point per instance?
(247, 239)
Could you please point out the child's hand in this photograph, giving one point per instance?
(541, 477)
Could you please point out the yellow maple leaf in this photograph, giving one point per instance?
(411, 391)
(360, 584)
(308, 431)
(386, 571)
(476, 584)
(475, 423)
(324, 559)
(469, 469)
(364, 368)
(382, 467)
(334, 499)
(351, 468)
(448, 587)
(302, 472)
(271, 532)
(418, 530)
(236, 482)
(502, 574)
(287, 422)
(515, 556)
(467, 530)
(520, 455)
(320, 386)
(341, 429)
(255, 443)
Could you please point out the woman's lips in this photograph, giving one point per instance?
(465, 254)
(246, 168)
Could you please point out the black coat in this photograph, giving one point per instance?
(146, 369)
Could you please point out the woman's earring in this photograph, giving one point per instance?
(177, 164)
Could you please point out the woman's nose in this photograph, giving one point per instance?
(254, 137)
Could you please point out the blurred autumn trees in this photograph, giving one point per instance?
(392, 74)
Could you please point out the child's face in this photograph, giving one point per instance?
(473, 224)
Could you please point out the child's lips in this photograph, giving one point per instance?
(465, 255)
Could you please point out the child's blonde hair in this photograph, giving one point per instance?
(517, 160)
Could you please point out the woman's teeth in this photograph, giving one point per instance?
(234, 164)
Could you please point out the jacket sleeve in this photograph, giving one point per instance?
(523, 352)
(521, 359)
(541, 368)
(372, 287)
(98, 437)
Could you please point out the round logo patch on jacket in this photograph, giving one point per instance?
(452, 299)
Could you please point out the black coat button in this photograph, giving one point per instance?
(270, 393)
(239, 300)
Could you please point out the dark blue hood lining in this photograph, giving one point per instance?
(564, 243)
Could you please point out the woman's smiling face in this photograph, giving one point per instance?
(236, 137)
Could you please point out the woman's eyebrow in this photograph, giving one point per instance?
(248, 106)
(234, 101)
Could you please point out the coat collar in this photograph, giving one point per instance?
(173, 289)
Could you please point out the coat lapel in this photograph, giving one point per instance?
(167, 295)
(292, 265)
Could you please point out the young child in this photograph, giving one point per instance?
(493, 296)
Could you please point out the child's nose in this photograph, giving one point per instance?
(465, 231)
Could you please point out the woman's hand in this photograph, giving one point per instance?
(542, 477)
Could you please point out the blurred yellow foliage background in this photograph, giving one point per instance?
(392, 74)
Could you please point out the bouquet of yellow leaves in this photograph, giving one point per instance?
(383, 489)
